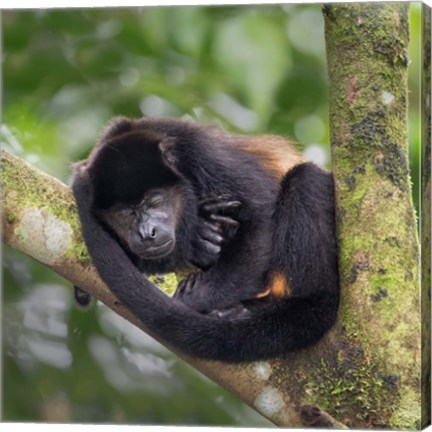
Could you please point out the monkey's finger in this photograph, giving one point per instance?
(213, 238)
(224, 220)
(180, 289)
(209, 247)
(207, 225)
(214, 199)
(211, 232)
(185, 286)
(218, 206)
(190, 283)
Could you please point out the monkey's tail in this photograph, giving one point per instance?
(269, 330)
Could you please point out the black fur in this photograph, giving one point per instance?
(285, 228)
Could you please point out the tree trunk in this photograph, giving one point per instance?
(379, 252)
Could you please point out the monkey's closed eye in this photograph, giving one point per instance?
(154, 201)
(126, 212)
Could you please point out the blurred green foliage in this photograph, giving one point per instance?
(252, 69)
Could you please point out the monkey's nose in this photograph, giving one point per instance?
(154, 235)
(149, 233)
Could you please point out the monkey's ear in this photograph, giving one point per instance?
(79, 167)
(81, 173)
(167, 148)
(80, 181)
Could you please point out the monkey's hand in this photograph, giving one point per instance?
(216, 227)
(193, 292)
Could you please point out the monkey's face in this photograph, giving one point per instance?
(147, 228)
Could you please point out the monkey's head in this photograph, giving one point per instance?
(147, 227)
(136, 192)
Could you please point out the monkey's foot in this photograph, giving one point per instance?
(186, 286)
(193, 292)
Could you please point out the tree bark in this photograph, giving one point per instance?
(379, 251)
(365, 371)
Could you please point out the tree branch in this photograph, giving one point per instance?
(40, 220)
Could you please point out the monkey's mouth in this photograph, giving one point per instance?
(156, 252)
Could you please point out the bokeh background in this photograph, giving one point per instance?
(251, 69)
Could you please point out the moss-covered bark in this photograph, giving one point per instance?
(379, 251)
(426, 217)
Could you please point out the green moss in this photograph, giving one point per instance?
(167, 283)
(11, 218)
(407, 413)
(79, 251)
(24, 190)
(353, 389)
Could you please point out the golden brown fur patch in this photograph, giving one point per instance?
(274, 153)
(278, 287)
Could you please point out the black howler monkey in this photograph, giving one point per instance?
(157, 193)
